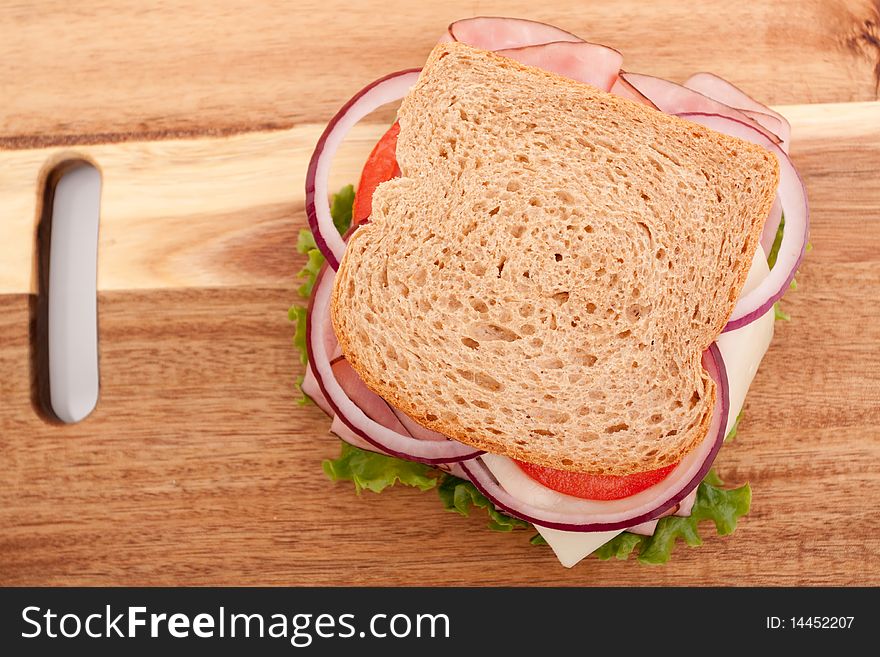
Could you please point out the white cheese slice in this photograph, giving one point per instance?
(571, 547)
(742, 351)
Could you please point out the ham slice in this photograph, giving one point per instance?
(495, 33)
(774, 125)
(415, 429)
(624, 89)
(540, 45)
(585, 62)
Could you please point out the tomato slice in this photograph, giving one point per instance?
(594, 487)
(380, 166)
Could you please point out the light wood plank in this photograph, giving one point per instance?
(218, 212)
(180, 213)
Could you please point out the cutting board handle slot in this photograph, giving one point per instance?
(64, 335)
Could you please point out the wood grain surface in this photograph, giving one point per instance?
(102, 70)
(198, 466)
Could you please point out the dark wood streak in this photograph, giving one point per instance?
(27, 141)
(38, 304)
(864, 40)
(258, 250)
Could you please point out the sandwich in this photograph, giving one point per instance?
(552, 289)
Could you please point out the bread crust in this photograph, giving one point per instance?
(614, 452)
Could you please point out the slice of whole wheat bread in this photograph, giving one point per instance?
(543, 278)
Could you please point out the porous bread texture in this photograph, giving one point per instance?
(544, 276)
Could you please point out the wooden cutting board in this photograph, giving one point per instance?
(199, 467)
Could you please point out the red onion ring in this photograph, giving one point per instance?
(673, 98)
(653, 502)
(793, 198)
(393, 86)
(320, 339)
(770, 122)
(768, 235)
(454, 469)
(683, 510)
(343, 432)
(646, 528)
(310, 388)
(723, 91)
(687, 504)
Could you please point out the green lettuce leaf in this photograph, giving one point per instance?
(341, 208)
(777, 242)
(376, 472)
(723, 507)
(461, 496)
(298, 315)
(619, 547)
(712, 478)
(309, 272)
(732, 433)
(778, 313)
